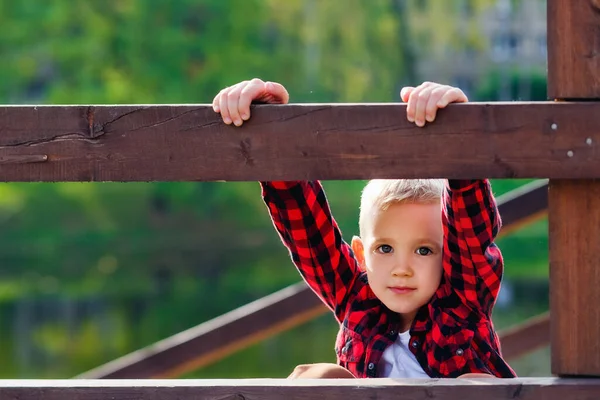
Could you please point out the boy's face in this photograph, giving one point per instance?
(401, 251)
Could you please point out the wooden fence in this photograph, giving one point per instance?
(556, 140)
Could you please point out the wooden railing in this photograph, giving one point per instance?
(556, 140)
(298, 142)
(278, 389)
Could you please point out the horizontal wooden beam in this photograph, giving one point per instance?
(330, 389)
(222, 336)
(526, 337)
(289, 142)
(216, 338)
(523, 206)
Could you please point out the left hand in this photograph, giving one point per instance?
(475, 375)
(425, 99)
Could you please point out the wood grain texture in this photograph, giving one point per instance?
(288, 142)
(271, 389)
(574, 221)
(573, 49)
(574, 205)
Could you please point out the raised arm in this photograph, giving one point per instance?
(302, 217)
(299, 210)
(472, 261)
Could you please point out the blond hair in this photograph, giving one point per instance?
(379, 194)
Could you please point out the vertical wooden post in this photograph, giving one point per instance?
(574, 205)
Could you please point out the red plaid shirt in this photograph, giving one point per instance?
(451, 335)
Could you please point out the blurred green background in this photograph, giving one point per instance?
(92, 271)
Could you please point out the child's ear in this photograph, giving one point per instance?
(359, 251)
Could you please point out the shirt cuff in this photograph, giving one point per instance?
(279, 185)
(460, 185)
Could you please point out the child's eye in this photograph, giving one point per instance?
(424, 251)
(385, 248)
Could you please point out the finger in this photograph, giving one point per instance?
(252, 91)
(421, 105)
(405, 93)
(223, 107)
(233, 98)
(277, 92)
(432, 104)
(413, 98)
(454, 95)
(262, 92)
(216, 100)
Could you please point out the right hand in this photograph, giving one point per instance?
(234, 101)
(425, 99)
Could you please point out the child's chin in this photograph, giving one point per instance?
(402, 309)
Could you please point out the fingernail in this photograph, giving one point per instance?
(216, 109)
(410, 119)
(429, 118)
(245, 117)
(420, 123)
(227, 120)
(237, 122)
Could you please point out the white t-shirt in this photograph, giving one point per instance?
(398, 362)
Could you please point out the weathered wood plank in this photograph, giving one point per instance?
(573, 62)
(574, 220)
(341, 141)
(220, 337)
(333, 389)
(574, 206)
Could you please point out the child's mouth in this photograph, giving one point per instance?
(402, 289)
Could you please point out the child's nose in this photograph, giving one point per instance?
(402, 267)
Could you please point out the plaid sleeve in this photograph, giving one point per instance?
(301, 215)
(472, 261)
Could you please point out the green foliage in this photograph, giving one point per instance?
(521, 85)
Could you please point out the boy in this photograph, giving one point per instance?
(414, 293)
